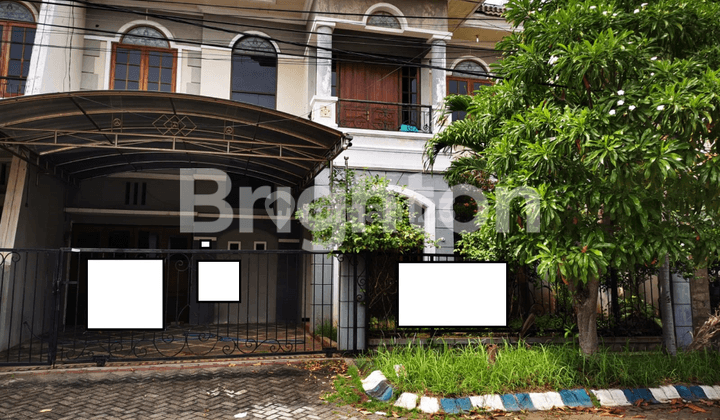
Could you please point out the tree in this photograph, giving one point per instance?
(606, 109)
(361, 215)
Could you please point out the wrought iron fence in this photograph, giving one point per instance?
(386, 116)
(627, 303)
(286, 306)
(291, 302)
(380, 285)
(27, 308)
(353, 274)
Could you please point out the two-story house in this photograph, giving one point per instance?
(103, 103)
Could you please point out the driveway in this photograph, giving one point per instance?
(250, 389)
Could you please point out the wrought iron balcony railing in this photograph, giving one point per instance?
(386, 116)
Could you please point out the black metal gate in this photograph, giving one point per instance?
(286, 306)
(28, 305)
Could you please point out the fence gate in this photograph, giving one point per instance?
(285, 306)
(352, 323)
(27, 305)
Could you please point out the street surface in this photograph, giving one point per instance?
(258, 389)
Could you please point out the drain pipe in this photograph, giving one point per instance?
(666, 309)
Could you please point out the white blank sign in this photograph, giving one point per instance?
(452, 294)
(218, 281)
(125, 294)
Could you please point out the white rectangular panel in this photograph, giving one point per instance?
(449, 294)
(125, 294)
(218, 281)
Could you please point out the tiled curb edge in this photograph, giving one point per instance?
(377, 386)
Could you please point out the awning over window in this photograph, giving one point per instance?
(96, 133)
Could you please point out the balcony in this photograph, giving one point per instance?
(384, 116)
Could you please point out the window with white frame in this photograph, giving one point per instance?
(143, 60)
(383, 20)
(467, 77)
(254, 72)
(17, 35)
(203, 242)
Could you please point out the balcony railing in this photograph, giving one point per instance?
(385, 116)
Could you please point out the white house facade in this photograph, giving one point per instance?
(375, 71)
(103, 104)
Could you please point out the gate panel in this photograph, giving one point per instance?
(27, 305)
(353, 297)
(272, 316)
(382, 288)
(44, 308)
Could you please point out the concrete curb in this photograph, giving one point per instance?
(377, 386)
(116, 367)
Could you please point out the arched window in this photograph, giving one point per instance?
(254, 72)
(17, 35)
(471, 69)
(143, 60)
(383, 20)
(467, 77)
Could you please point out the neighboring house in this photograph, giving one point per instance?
(102, 103)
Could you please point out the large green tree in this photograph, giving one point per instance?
(606, 109)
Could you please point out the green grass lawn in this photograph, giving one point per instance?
(465, 370)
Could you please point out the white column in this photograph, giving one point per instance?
(323, 104)
(324, 61)
(13, 202)
(57, 56)
(439, 89)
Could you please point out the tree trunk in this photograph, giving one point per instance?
(585, 297)
(666, 308)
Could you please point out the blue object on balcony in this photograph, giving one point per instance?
(409, 128)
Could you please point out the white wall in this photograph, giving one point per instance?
(292, 86)
(191, 68)
(54, 68)
(94, 65)
(388, 150)
(215, 73)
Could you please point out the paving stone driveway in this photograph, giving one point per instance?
(281, 390)
(277, 391)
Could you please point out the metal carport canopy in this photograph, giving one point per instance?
(90, 134)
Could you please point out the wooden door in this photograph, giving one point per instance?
(369, 82)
